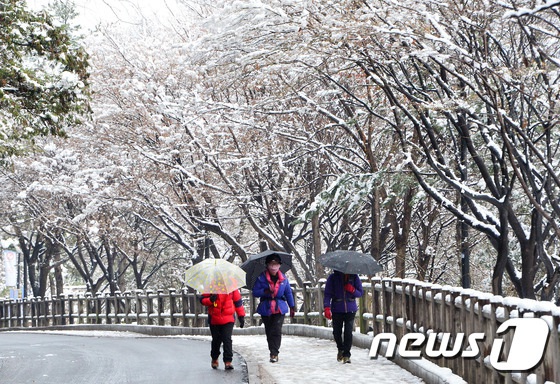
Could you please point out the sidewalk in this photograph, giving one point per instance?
(309, 353)
(312, 360)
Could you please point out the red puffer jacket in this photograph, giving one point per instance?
(221, 311)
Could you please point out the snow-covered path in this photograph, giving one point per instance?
(313, 360)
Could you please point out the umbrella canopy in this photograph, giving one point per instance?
(351, 262)
(256, 264)
(215, 276)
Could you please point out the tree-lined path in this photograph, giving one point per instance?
(422, 133)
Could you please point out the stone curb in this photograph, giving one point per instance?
(422, 368)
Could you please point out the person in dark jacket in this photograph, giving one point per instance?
(221, 310)
(273, 287)
(341, 291)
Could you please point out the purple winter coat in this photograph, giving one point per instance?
(283, 296)
(339, 300)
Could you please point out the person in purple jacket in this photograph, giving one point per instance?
(273, 287)
(341, 291)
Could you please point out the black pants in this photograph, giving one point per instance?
(221, 334)
(346, 321)
(273, 329)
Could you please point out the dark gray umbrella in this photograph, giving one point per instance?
(351, 262)
(256, 264)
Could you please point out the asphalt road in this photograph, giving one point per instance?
(32, 357)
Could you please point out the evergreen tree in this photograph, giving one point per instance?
(43, 77)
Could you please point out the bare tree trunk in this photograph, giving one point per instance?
(463, 228)
(58, 277)
(502, 255)
(316, 233)
(400, 262)
(529, 257)
(52, 285)
(375, 226)
(401, 231)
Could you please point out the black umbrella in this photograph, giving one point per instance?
(351, 262)
(256, 264)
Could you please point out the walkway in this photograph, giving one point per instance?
(308, 354)
(313, 360)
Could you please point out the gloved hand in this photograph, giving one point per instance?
(213, 298)
(349, 288)
(241, 321)
(267, 292)
(292, 312)
(328, 313)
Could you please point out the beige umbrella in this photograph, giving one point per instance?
(215, 276)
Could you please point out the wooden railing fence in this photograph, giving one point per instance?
(388, 306)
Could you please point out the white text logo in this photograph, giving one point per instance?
(524, 352)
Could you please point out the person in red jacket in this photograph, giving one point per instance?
(221, 309)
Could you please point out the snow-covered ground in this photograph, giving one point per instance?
(313, 360)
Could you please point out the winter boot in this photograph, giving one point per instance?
(346, 360)
(228, 365)
(273, 358)
(215, 364)
(339, 356)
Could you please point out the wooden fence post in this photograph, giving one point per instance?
(436, 308)
(88, 306)
(62, 309)
(172, 307)
(139, 306)
(394, 307)
(117, 303)
(455, 325)
(127, 306)
(98, 300)
(377, 304)
(495, 301)
(423, 308)
(33, 311)
(386, 292)
(198, 307)
(404, 307)
(306, 301)
(252, 309)
(184, 307)
(160, 307)
(413, 311)
(51, 304)
(106, 303)
(71, 302)
(445, 320)
(150, 306)
(2, 317)
(362, 305)
(553, 355)
(79, 308)
(482, 373)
